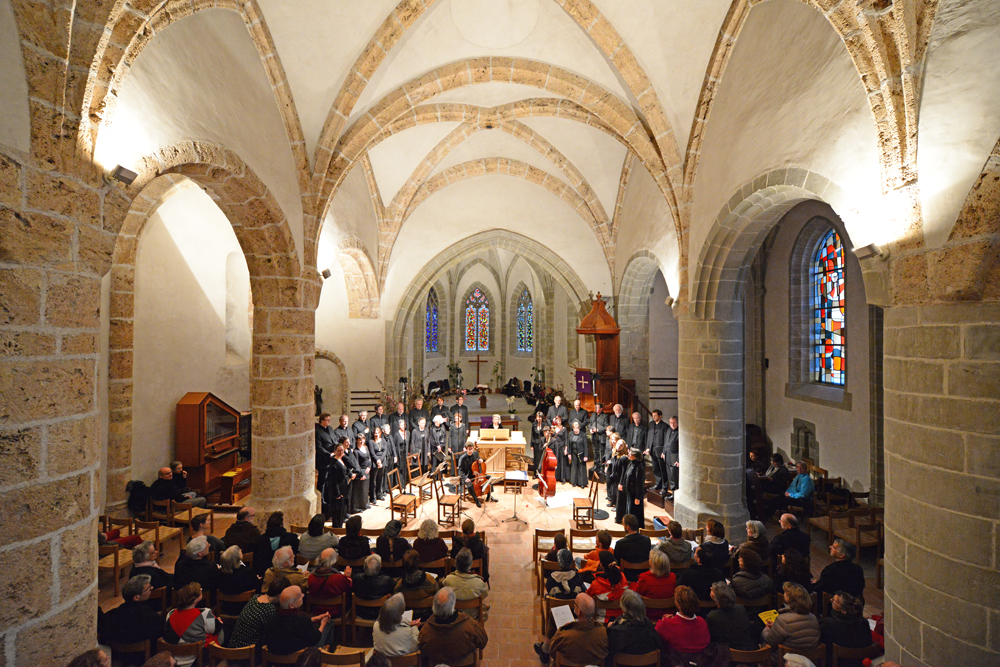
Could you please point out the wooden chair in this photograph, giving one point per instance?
(158, 510)
(826, 603)
(183, 650)
(842, 653)
(606, 606)
(125, 525)
(665, 604)
(477, 566)
(274, 659)
(158, 534)
(449, 505)
(828, 524)
(248, 559)
(241, 598)
(537, 546)
(864, 533)
(184, 512)
(694, 534)
(761, 656)
(475, 604)
(582, 541)
(298, 530)
(216, 654)
(420, 480)
(144, 647)
(817, 655)
(350, 657)
(409, 660)
(879, 572)
(752, 604)
(160, 596)
(548, 604)
(651, 659)
(404, 503)
(651, 533)
(313, 601)
(638, 567)
(544, 567)
(116, 558)
(363, 622)
(441, 565)
(372, 532)
(353, 563)
(583, 508)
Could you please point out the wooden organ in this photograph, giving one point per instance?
(207, 439)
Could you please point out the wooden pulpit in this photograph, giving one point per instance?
(607, 379)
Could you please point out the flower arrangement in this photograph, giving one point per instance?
(510, 405)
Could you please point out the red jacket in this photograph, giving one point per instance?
(607, 591)
(686, 635)
(327, 584)
(659, 588)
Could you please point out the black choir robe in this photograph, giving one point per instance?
(577, 449)
(559, 444)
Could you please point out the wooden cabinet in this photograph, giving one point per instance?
(207, 439)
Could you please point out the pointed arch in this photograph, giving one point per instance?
(479, 309)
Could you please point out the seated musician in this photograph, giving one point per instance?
(496, 421)
(467, 477)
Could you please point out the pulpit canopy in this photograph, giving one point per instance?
(598, 320)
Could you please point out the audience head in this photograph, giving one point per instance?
(603, 539)
(585, 607)
(792, 560)
(788, 521)
(633, 608)
(92, 658)
(290, 598)
(177, 467)
(610, 567)
(353, 526)
(137, 588)
(686, 600)
(245, 514)
(842, 550)
(676, 531)
(327, 559)
(797, 597)
(631, 523)
(188, 596)
(715, 529)
(144, 552)
(444, 603)
(463, 561)
(232, 558)
(723, 595)
(373, 565)
(283, 557)
(197, 548)
(658, 414)
(276, 521)
(392, 528)
(802, 467)
(468, 527)
(565, 559)
(756, 529)
(411, 561)
(673, 421)
(751, 562)
(777, 459)
(161, 659)
(559, 542)
(165, 473)
(847, 604)
(316, 525)
(659, 563)
(278, 585)
(703, 557)
(198, 523)
(391, 613)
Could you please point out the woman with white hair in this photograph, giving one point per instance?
(392, 635)
(428, 544)
(757, 540)
(144, 557)
(236, 578)
(193, 565)
(633, 633)
(657, 583)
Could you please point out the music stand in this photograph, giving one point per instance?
(520, 458)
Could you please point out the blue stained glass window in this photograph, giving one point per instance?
(431, 325)
(829, 360)
(525, 322)
(477, 322)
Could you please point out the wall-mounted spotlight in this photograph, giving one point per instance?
(123, 175)
(326, 274)
(669, 301)
(868, 251)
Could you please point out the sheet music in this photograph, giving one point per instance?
(562, 615)
(408, 616)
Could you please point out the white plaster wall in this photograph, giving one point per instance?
(843, 436)
(663, 341)
(646, 224)
(201, 79)
(180, 331)
(351, 215)
(959, 109)
(561, 375)
(789, 103)
(15, 130)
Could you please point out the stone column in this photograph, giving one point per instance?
(710, 404)
(281, 393)
(942, 489)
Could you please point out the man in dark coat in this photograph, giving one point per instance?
(578, 414)
(790, 537)
(656, 436)
(635, 434)
(557, 409)
(634, 485)
(843, 574)
(671, 451)
(337, 488)
(598, 425)
(164, 488)
(619, 420)
(325, 444)
(460, 407)
(243, 533)
(701, 575)
(291, 630)
(360, 426)
(343, 430)
(418, 412)
(441, 409)
(132, 621)
(634, 547)
(378, 418)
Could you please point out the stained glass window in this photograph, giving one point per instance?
(431, 326)
(477, 322)
(829, 360)
(525, 322)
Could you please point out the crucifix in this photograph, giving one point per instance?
(477, 362)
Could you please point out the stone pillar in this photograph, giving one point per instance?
(281, 394)
(710, 403)
(942, 488)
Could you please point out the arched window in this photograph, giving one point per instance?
(431, 324)
(829, 363)
(477, 322)
(525, 322)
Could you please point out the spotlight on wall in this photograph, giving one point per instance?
(868, 251)
(669, 301)
(123, 175)
(326, 274)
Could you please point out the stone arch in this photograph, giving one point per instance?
(359, 275)
(633, 317)
(331, 357)
(479, 261)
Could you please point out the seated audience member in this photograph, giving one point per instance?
(800, 491)
(633, 633)
(372, 584)
(187, 624)
(199, 528)
(657, 583)
(144, 563)
(592, 561)
(843, 574)
(93, 658)
(792, 567)
(193, 565)
(729, 624)
(609, 584)
(256, 613)
(415, 584)
(678, 549)
(235, 578)
(757, 541)
(391, 635)
(559, 542)
(315, 540)
(165, 489)
(790, 537)
(845, 626)
(161, 659)
(275, 536)
(685, 631)
(470, 539)
(634, 547)
(133, 620)
(449, 636)
(283, 565)
(180, 479)
(716, 543)
(326, 581)
(468, 585)
(796, 626)
(428, 544)
(582, 642)
(243, 533)
(389, 545)
(354, 545)
(564, 583)
(777, 476)
(291, 630)
(750, 582)
(701, 575)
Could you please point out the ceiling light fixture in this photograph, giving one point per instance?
(123, 175)
(868, 251)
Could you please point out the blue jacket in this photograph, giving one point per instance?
(801, 487)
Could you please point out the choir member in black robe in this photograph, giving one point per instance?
(656, 438)
(344, 431)
(420, 443)
(360, 427)
(438, 442)
(401, 447)
(578, 414)
(361, 483)
(440, 409)
(671, 450)
(325, 444)
(560, 445)
(418, 412)
(635, 434)
(460, 407)
(377, 420)
(538, 428)
(599, 439)
(557, 410)
(458, 435)
(377, 450)
(577, 442)
(337, 487)
(400, 413)
(356, 472)
(611, 486)
(634, 485)
(619, 420)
